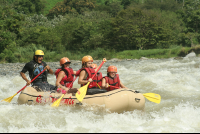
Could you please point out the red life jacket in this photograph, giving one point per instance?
(98, 79)
(113, 82)
(90, 72)
(78, 72)
(68, 79)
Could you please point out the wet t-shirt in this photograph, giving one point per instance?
(34, 69)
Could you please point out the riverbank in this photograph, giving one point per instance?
(15, 68)
(175, 51)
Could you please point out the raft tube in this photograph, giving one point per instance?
(119, 100)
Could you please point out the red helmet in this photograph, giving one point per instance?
(94, 66)
(64, 60)
(112, 69)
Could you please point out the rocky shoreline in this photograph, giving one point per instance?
(15, 68)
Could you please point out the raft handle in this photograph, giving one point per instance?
(79, 103)
(137, 100)
(30, 102)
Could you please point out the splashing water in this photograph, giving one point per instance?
(177, 81)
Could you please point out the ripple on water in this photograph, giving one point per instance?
(177, 81)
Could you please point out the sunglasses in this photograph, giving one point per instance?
(40, 56)
(67, 63)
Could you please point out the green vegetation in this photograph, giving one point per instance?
(101, 28)
(50, 4)
(153, 53)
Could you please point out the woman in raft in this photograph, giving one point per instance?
(85, 75)
(112, 81)
(65, 77)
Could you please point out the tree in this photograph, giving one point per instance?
(71, 6)
(191, 16)
(6, 38)
(134, 28)
(110, 7)
(125, 3)
(29, 6)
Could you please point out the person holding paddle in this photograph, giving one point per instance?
(86, 75)
(98, 75)
(34, 68)
(112, 81)
(65, 77)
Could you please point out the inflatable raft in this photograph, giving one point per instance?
(118, 100)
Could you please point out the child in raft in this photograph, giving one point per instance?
(112, 81)
(65, 77)
(85, 75)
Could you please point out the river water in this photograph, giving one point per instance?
(177, 81)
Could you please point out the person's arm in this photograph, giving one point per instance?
(104, 83)
(74, 73)
(49, 69)
(81, 78)
(24, 70)
(122, 85)
(58, 80)
(28, 82)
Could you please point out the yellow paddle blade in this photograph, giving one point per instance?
(153, 97)
(80, 94)
(9, 98)
(57, 102)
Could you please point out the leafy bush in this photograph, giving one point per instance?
(100, 52)
(29, 6)
(71, 6)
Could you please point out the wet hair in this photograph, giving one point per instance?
(108, 75)
(63, 66)
(63, 69)
(34, 57)
(84, 65)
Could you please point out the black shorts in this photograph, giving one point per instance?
(43, 86)
(92, 91)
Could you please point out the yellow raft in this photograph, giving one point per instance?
(118, 100)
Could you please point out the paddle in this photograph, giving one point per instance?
(156, 98)
(9, 99)
(57, 102)
(98, 85)
(153, 97)
(80, 94)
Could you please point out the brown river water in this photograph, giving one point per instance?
(177, 81)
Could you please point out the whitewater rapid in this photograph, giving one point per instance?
(177, 81)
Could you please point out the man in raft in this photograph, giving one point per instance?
(85, 75)
(112, 81)
(34, 68)
(65, 77)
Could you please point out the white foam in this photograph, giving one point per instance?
(176, 81)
